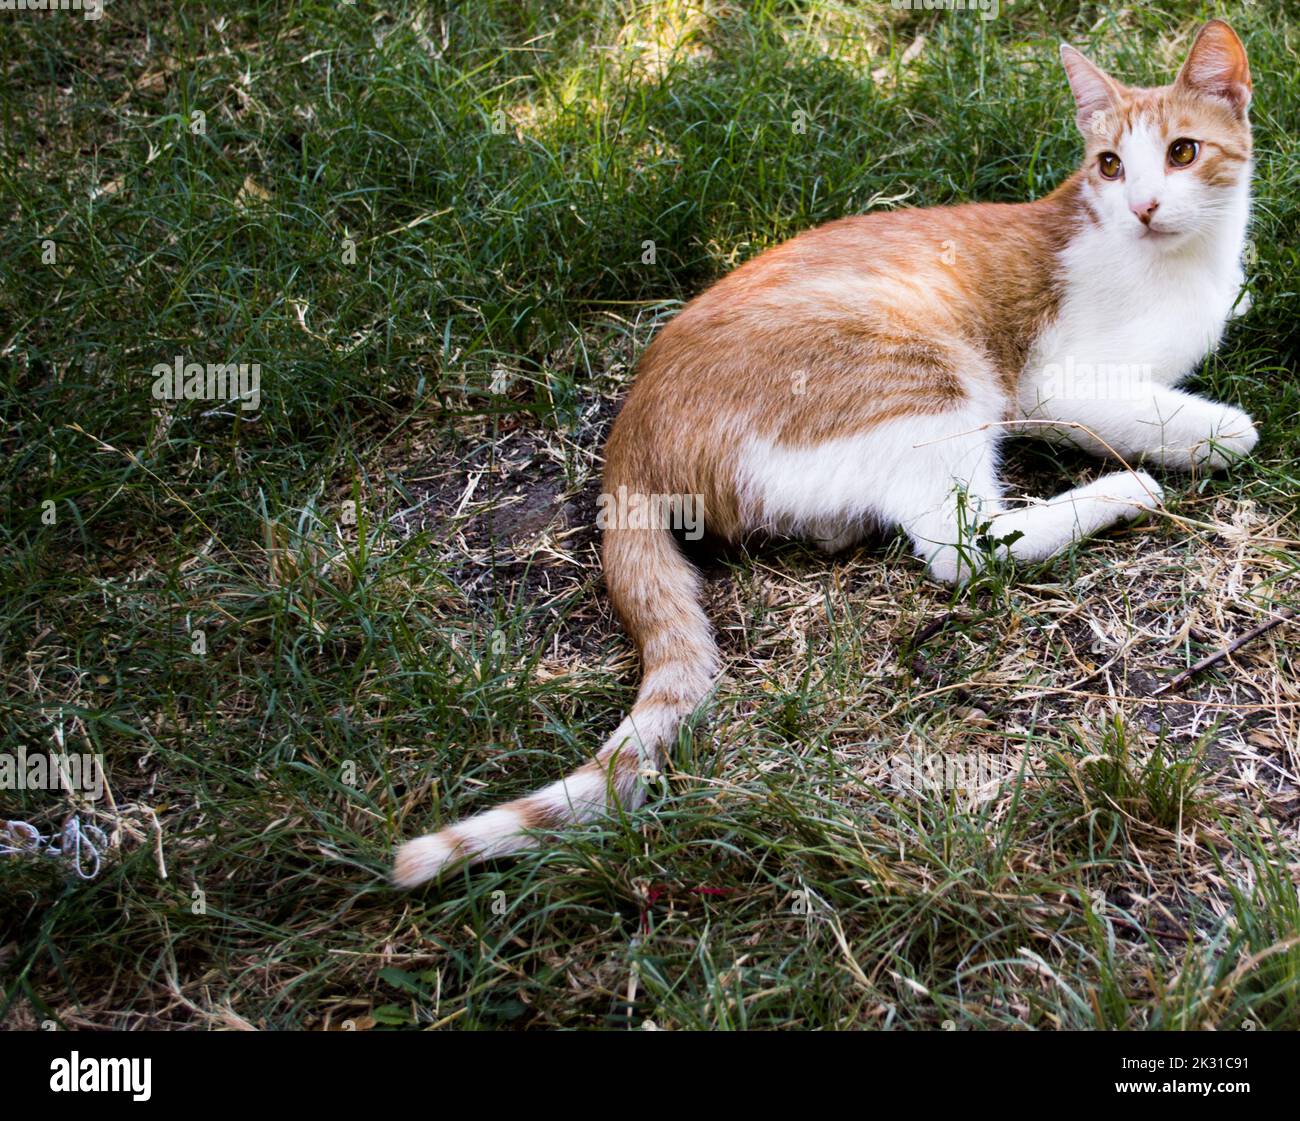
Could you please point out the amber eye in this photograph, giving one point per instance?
(1182, 152)
(1110, 165)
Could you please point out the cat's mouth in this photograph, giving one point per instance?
(1152, 231)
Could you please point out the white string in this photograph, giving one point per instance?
(78, 845)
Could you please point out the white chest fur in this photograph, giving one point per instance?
(1134, 310)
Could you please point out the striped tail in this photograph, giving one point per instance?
(656, 591)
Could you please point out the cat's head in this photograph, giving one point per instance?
(1167, 165)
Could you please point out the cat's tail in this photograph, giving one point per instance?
(656, 591)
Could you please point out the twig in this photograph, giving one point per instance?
(1236, 644)
(911, 655)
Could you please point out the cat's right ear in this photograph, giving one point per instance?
(1096, 93)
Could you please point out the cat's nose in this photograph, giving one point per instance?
(1144, 210)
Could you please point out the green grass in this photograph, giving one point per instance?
(426, 224)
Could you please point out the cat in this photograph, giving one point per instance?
(862, 374)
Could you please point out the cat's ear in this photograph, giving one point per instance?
(1216, 65)
(1096, 93)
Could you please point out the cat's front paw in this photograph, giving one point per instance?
(1206, 436)
(1232, 437)
(1131, 493)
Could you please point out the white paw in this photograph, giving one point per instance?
(1132, 492)
(945, 567)
(1232, 437)
(955, 567)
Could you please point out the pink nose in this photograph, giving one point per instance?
(1144, 210)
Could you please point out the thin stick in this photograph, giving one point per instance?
(926, 672)
(1236, 644)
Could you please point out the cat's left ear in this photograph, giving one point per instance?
(1216, 65)
(1096, 93)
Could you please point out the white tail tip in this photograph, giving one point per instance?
(421, 860)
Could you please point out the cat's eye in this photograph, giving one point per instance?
(1110, 166)
(1183, 152)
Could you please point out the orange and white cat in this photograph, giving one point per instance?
(862, 375)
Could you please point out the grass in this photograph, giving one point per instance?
(298, 634)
